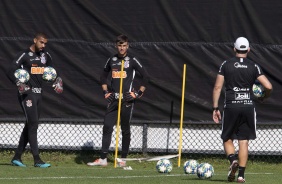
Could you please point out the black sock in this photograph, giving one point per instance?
(17, 157)
(231, 158)
(104, 155)
(123, 155)
(36, 159)
(241, 172)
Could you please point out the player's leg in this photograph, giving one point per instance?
(16, 160)
(109, 122)
(126, 114)
(230, 152)
(228, 127)
(37, 160)
(243, 158)
(247, 131)
(31, 106)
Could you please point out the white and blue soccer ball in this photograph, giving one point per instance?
(258, 90)
(205, 171)
(190, 167)
(49, 74)
(22, 75)
(164, 166)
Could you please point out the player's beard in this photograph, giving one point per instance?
(37, 49)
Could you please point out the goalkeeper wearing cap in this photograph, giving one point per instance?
(129, 95)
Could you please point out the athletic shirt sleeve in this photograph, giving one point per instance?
(259, 71)
(222, 69)
(139, 67)
(16, 64)
(105, 72)
(49, 59)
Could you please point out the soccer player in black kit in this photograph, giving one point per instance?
(239, 115)
(33, 60)
(113, 67)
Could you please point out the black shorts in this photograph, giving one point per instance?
(239, 123)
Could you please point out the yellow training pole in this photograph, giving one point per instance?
(181, 115)
(119, 109)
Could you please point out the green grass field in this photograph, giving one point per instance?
(72, 168)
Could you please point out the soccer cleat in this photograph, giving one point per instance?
(241, 180)
(18, 163)
(98, 162)
(121, 163)
(41, 164)
(232, 170)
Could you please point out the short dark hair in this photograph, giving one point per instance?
(241, 51)
(40, 34)
(121, 39)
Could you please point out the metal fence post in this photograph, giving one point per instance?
(145, 139)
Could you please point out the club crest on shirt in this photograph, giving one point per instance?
(43, 59)
(28, 103)
(126, 64)
(30, 54)
(114, 58)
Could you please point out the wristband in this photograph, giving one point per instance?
(105, 91)
(215, 108)
(139, 93)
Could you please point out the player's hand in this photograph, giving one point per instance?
(216, 116)
(58, 85)
(22, 87)
(110, 97)
(130, 96)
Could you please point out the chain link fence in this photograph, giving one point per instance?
(146, 137)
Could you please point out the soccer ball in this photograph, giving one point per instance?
(205, 171)
(190, 167)
(164, 166)
(22, 75)
(49, 74)
(258, 90)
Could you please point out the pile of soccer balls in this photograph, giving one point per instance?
(203, 170)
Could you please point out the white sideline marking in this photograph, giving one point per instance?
(111, 177)
(93, 177)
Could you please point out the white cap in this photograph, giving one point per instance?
(241, 44)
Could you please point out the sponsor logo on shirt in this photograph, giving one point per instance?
(236, 89)
(127, 58)
(242, 96)
(238, 65)
(244, 102)
(36, 70)
(118, 74)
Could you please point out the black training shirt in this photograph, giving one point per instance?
(34, 63)
(239, 76)
(131, 65)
